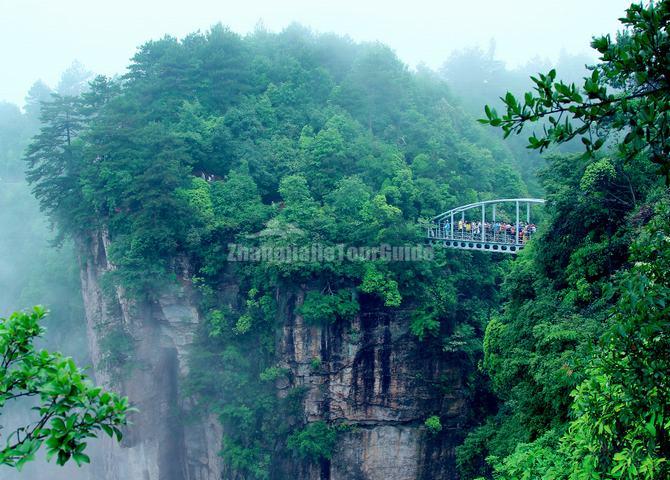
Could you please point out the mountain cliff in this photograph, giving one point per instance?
(373, 377)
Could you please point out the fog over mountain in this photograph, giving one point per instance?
(40, 38)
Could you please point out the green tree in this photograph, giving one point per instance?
(628, 92)
(433, 424)
(621, 425)
(69, 408)
(54, 159)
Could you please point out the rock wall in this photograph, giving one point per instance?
(375, 377)
(163, 443)
(370, 374)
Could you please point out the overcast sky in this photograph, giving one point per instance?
(40, 38)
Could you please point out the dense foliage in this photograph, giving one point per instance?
(283, 140)
(69, 408)
(579, 353)
(476, 77)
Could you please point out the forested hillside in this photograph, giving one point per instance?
(559, 300)
(287, 139)
(579, 352)
(478, 77)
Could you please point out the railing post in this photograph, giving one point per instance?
(452, 225)
(527, 212)
(493, 232)
(516, 231)
(482, 226)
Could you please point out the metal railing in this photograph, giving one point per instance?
(438, 233)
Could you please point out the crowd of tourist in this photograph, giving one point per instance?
(501, 232)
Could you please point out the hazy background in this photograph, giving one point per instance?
(40, 38)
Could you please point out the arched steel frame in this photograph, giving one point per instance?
(443, 228)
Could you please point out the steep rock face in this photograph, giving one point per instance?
(375, 377)
(370, 374)
(151, 339)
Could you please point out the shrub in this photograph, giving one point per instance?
(433, 424)
(315, 442)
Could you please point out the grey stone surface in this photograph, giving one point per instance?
(374, 377)
(159, 445)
